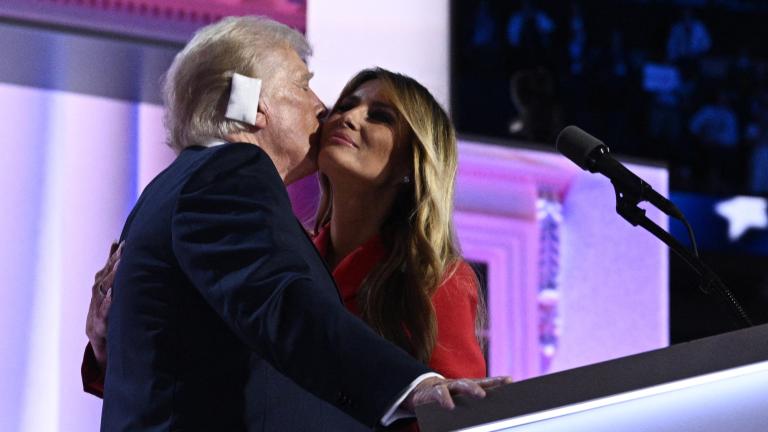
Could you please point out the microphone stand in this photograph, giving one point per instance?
(627, 207)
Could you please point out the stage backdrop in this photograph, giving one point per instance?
(75, 164)
(82, 134)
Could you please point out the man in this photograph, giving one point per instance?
(220, 295)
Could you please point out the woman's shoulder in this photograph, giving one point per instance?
(460, 279)
(463, 269)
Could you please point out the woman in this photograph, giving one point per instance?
(388, 163)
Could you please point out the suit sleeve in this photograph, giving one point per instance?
(457, 353)
(236, 239)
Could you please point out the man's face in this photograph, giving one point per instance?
(293, 113)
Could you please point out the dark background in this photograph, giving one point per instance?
(607, 87)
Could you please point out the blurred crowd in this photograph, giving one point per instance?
(656, 79)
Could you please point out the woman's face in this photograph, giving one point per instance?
(362, 139)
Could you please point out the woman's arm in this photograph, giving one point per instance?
(95, 356)
(91, 373)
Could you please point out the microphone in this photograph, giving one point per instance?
(593, 155)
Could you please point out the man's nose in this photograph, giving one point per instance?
(322, 111)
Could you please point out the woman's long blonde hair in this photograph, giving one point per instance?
(395, 298)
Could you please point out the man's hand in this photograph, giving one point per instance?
(101, 299)
(441, 390)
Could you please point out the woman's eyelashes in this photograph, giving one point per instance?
(344, 107)
(376, 114)
(381, 115)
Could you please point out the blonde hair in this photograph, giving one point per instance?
(197, 85)
(395, 298)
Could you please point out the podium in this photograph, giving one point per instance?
(719, 383)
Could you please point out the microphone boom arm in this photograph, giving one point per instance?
(627, 207)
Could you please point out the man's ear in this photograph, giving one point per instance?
(262, 114)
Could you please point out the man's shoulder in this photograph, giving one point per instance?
(234, 154)
(234, 159)
(195, 168)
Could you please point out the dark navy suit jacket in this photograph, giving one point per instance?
(225, 318)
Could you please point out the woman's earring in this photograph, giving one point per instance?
(406, 179)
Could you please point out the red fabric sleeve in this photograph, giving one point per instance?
(457, 353)
(91, 373)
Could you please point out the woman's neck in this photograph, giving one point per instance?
(357, 216)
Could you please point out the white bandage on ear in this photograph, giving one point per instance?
(244, 99)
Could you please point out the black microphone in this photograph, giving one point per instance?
(593, 155)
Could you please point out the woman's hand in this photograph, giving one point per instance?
(101, 299)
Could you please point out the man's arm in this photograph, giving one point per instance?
(236, 239)
(421, 390)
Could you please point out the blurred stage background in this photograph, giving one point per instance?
(568, 281)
